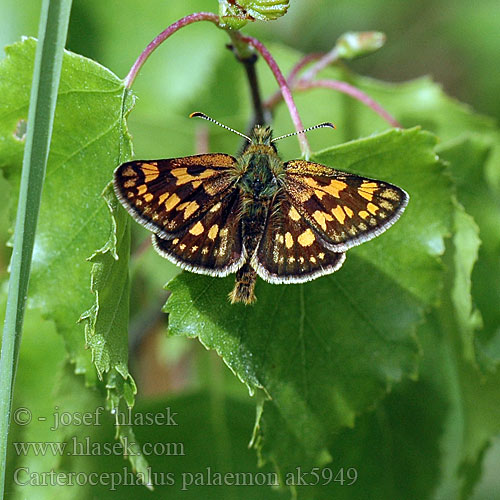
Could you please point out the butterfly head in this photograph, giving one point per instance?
(262, 134)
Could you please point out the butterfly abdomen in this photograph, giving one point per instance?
(244, 287)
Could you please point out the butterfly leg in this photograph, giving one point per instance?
(243, 290)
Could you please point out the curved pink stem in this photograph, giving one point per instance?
(353, 92)
(305, 61)
(193, 18)
(308, 59)
(323, 62)
(285, 91)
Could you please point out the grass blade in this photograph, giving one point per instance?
(53, 28)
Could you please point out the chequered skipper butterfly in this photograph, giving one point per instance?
(288, 222)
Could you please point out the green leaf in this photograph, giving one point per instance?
(106, 328)
(89, 141)
(235, 15)
(426, 439)
(326, 351)
(359, 43)
(469, 157)
(74, 219)
(472, 412)
(468, 137)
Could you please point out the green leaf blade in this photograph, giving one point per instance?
(74, 220)
(53, 30)
(89, 140)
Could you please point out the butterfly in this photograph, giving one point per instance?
(255, 215)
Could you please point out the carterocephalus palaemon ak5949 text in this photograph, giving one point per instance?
(288, 222)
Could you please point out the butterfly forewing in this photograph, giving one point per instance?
(211, 245)
(167, 195)
(290, 251)
(344, 208)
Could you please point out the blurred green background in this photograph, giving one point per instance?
(455, 42)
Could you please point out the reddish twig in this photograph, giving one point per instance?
(323, 62)
(305, 61)
(308, 59)
(208, 16)
(285, 90)
(193, 18)
(348, 89)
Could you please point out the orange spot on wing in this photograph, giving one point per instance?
(307, 238)
(150, 171)
(212, 232)
(129, 172)
(293, 214)
(321, 218)
(197, 229)
(172, 202)
(348, 211)
(163, 197)
(339, 214)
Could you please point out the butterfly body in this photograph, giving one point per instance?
(259, 182)
(255, 215)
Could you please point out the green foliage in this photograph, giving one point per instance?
(256, 344)
(349, 338)
(353, 44)
(235, 15)
(107, 320)
(74, 219)
(475, 157)
(89, 140)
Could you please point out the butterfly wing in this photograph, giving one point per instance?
(210, 245)
(290, 251)
(345, 209)
(165, 196)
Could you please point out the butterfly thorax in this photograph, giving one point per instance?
(258, 182)
(260, 167)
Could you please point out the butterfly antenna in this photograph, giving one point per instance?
(321, 125)
(205, 117)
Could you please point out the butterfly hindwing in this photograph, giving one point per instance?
(166, 195)
(290, 251)
(344, 208)
(210, 245)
